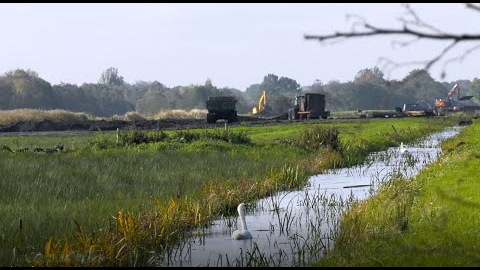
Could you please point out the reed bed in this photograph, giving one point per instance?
(36, 115)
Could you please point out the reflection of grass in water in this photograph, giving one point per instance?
(427, 221)
(304, 247)
(315, 244)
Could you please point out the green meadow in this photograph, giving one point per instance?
(108, 201)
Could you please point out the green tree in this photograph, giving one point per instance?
(275, 86)
(418, 85)
(108, 100)
(316, 87)
(474, 89)
(154, 99)
(252, 94)
(110, 77)
(73, 98)
(281, 104)
(372, 90)
(25, 89)
(370, 75)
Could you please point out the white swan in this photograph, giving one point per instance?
(402, 148)
(243, 233)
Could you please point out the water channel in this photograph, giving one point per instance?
(297, 227)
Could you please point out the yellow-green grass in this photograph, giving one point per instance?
(50, 192)
(60, 115)
(35, 115)
(431, 220)
(181, 114)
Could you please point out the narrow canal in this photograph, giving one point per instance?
(296, 228)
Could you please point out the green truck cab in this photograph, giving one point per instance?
(221, 108)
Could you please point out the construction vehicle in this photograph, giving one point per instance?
(309, 106)
(441, 107)
(221, 108)
(418, 109)
(263, 107)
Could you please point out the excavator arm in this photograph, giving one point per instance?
(262, 102)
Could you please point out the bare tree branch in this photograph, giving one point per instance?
(418, 21)
(377, 31)
(473, 6)
(404, 43)
(459, 58)
(444, 51)
(389, 65)
(413, 26)
(359, 22)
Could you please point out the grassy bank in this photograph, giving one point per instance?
(431, 220)
(160, 186)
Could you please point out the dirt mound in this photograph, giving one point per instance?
(47, 125)
(104, 125)
(246, 118)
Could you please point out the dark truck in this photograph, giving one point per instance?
(309, 106)
(221, 108)
(419, 108)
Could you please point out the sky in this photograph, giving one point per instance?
(233, 44)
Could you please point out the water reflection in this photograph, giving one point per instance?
(295, 228)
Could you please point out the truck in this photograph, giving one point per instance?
(222, 107)
(309, 106)
(419, 108)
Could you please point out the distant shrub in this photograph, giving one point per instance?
(185, 136)
(138, 137)
(101, 141)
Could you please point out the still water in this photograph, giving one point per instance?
(296, 228)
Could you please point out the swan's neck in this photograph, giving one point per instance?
(242, 220)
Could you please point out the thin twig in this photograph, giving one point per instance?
(473, 6)
(414, 27)
(442, 53)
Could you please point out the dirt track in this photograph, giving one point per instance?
(48, 127)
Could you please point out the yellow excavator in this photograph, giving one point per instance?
(262, 104)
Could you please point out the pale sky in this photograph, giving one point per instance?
(235, 45)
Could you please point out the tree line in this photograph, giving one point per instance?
(111, 95)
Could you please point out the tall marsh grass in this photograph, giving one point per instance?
(35, 115)
(59, 115)
(181, 114)
(318, 137)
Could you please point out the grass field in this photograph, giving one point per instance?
(46, 195)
